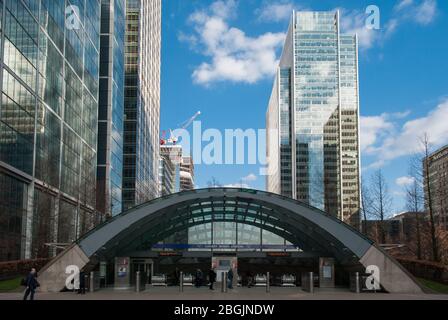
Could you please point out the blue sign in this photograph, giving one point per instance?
(183, 246)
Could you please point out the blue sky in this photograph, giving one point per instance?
(219, 57)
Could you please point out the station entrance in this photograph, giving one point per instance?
(285, 269)
(132, 247)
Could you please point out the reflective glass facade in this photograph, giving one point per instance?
(111, 108)
(48, 123)
(314, 157)
(142, 102)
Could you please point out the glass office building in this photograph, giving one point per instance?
(111, 108)
(314, 112)
(142, 102)
(48, 123)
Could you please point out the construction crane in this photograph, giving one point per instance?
(174, 139)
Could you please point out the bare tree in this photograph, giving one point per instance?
(381, 202)
(366, 206)
(414, 203)
(429, 196)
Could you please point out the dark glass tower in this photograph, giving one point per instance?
(48, 123)
(111, 108)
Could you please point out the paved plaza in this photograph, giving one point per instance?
(276, 293)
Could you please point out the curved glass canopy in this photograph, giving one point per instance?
(306, 227)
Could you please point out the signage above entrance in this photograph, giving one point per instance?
(182, 246)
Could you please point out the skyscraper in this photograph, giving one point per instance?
(314, 109)
(111, 108)
(186, 173)
(48, 124)
(142, 102)
(170, 159)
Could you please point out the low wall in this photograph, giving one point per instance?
(394, 278)
(13, 269)
(426, 269)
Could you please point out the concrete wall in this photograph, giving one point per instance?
(393, 277)
(53, 276)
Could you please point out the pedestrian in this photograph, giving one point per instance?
(230, 279)
(249, 279)
(198, 279)
(177, 276)
(82, 283)
(212, 278)
(31, 284)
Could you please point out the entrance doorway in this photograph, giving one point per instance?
(224, 264)
(145, 266)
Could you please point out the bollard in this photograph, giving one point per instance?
(223, 282)
(86, 280)
(137, 281)
(268, 283)
(358, 289)
(311, 282)
(92, 284)
(181, 282)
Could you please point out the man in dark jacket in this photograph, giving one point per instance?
(176, 276)
(230, 279)
(198, 278)
(212, 278)
(31, 284)
(82, 283)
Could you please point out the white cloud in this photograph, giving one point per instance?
(275, 11)
(423, 12)
(233, 55)
(238, 185)
(244, 182)
(404, 181)
(250, 177)
(391, 27)
(403, 4)
(373, 129)
(376, 128)
(426, 12)
(224, 9)
(385, 139)
(354, 21)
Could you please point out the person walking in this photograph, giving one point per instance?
(212, 278)
(176, 277)
(230, 279)
(82, 283)
(249, 279)
(31, 284)
(198, 280)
